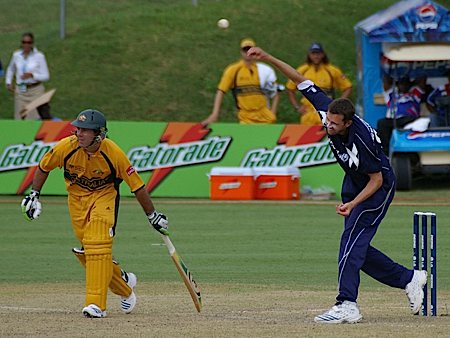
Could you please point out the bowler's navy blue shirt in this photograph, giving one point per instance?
(359, 153)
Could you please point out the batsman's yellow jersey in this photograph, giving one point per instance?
(87, 174)
(250, 100)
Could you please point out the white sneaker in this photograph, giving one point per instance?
(414, 290)
(347, 312)
(93, 311)
(127, 303)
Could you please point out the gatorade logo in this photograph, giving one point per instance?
(180, 144)
(19, 156)
(298, 146)
(165, 155)
(298, 156)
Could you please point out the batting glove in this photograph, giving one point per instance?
(159, 221)
(31, 207)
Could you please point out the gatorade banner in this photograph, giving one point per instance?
(174, 159)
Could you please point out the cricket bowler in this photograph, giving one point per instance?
(94, 167)
(367, 191)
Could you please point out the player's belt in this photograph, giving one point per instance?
(31, 85)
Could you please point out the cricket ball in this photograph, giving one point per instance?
(223, 23)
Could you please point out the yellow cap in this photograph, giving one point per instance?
(247, 42)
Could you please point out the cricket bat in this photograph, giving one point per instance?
(44, 98)
(186, 275)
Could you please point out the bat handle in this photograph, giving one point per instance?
(168, 243)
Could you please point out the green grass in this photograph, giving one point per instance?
(267, 244)
(162, 60)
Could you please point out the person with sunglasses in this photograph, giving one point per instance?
(254, 87)
(30, 69)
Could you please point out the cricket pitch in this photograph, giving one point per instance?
(233, 310)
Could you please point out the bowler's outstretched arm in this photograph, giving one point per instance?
(313, 93)
(286, 69)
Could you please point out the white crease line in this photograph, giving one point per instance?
(37, 309)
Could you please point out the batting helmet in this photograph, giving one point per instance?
(91, 119)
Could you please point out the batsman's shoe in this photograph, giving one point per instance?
(347, 312)
(127, 303)
(93, 311)
(414, 290)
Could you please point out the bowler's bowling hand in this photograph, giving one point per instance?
(344, 209)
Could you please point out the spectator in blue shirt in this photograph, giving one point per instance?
(439, 101)
(403, 107)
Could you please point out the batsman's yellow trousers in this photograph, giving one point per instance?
(93, 221)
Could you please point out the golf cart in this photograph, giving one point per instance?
(418, 149)
(409, 38)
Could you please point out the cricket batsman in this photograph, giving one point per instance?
(94, 167)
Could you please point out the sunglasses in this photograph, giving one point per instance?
(246, 48)
(25, 42)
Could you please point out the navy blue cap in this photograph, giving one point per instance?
(316, 47)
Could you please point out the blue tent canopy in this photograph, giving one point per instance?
(408, 22)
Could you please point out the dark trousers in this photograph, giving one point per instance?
(385, 127)
(44, 111)
(356, 254)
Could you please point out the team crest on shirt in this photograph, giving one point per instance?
(353, 158)
(130, 170)
(343, 157)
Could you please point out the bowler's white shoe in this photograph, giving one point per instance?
(127, 303)
(347, 312)
(414, 290)
(93, 311)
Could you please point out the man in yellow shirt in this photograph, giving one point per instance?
(254, 88)
(93, 168)
(318, 69)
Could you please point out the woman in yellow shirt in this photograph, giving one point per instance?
(318, 69)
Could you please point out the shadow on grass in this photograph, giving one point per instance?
(432, 182)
